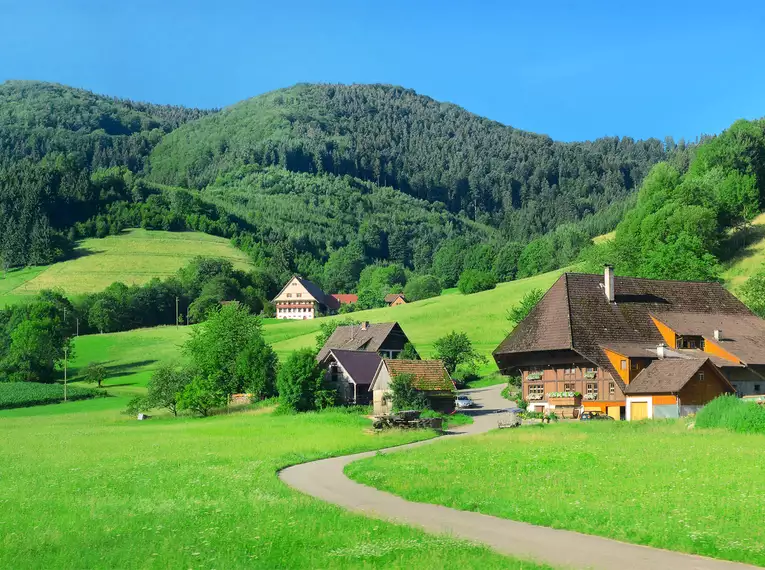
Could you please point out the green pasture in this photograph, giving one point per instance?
(653, 483)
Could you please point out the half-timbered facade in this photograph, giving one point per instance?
(600, 337)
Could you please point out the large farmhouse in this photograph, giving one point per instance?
(635, 348)
(301, 299)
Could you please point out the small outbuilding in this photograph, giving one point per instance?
(351, 372)
(430, 377)
(395, 299)
(674, 387)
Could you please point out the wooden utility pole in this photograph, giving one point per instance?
(177, 324)
(66, 351)
(78, 327)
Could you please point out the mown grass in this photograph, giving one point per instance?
(652, 483)
(99, 490)
(133, 257)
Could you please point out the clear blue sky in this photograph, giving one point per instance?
(573, 70)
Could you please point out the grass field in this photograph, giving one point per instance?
(133, 257)
(750, 259)
(651, 483)
(99, 490)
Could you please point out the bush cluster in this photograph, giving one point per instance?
(730, 412)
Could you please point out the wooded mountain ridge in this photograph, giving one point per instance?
(367, 173)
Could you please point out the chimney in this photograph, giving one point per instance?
(718, 334)
(608, 282)
(660, 350)
(364, 325)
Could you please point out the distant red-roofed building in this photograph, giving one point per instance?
(346, 298)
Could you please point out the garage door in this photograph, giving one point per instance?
(638, 410)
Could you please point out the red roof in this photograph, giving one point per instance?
(346, 298)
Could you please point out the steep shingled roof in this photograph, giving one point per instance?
(668, 376)
(390, 297)
(575, 314)
(360, 365)
(355, 337)
(429, 375)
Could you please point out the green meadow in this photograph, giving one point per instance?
(652, 483)
(134, 257)
(100, 490)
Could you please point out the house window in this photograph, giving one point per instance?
(536, 391)
(289, 295)
(634, 365)
(568, 387)
(611, 388)
(689, 343)
(592, 390)
(623, 365)
(701, 376)
(298, 294)
(570, 371)
(591, 370)
(757, 388)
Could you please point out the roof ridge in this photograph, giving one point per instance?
(648, 278)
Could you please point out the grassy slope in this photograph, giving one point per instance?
(750, 260)
(131, 356)
(196, 493)
(133, 257)
(650, 483)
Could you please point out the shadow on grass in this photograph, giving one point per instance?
(115, 370)
(739, 245)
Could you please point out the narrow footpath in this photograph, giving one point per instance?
(324, 479)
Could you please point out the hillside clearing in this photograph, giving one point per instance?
(197, 493)
(134, 257)
(703, 487)
(750, 260)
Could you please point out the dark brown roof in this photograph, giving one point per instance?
(354, 337)
(668, 375)
(742, 336)
(430, 375)
(575, 313)
(632, 349)
(393, 296)
(360, 366)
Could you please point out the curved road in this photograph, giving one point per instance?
(324, 479)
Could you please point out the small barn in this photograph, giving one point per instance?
(430, 377)
(395, 299)
(674, 387)
(351, 372)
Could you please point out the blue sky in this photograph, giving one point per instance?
(573, 70)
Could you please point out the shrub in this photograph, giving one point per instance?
(405, 396)
(422, 287)
(201, 395)
(524, 307)
(409, 352)
(26, 394)
(474, 281)
(299, 382)
(455, 349)
(729, 412)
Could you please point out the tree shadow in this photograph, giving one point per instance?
(118, 370)
(740, 244)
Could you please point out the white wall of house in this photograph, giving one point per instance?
(381, 385)
(299, 313)
(647, 399)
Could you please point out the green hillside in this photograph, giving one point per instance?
(133, 257)
(131, 356)
(750, 259)
(431, 150)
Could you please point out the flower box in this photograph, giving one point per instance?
(590, 397)
(566, 401)
(590, 375)
(534, 376)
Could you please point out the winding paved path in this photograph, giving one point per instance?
(325, 480)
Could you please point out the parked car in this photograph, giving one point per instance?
(463, 401)
(587, 416)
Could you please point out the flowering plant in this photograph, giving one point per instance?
(590, 375)
(564, 395)
(535, 396)
(590, 396)
(534, 376)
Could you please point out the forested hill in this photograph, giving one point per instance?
(39, 119)
(526, 183)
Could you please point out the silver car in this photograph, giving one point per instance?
(463, 401)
